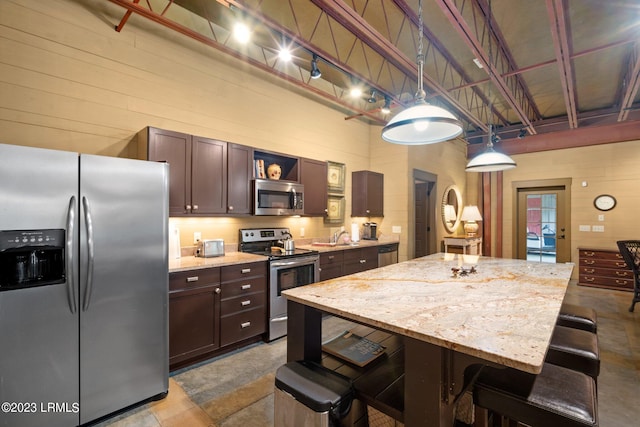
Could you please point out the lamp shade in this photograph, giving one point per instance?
(490, 161)
(450, 213)
(421, 124)
(471, 213)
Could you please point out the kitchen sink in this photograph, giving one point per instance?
(333, 244)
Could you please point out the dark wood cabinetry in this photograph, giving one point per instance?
(194, 312)
(360, 259)
(367, 193)
(331, 265)
(604, 268)
(243, 302)
(313, 175)
(207, 176)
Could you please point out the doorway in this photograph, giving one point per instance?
(543, 221)
(424, 241)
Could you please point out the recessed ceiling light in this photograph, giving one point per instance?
(478, 63)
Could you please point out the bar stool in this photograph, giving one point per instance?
(578, 317)
(575, 349)
(556, 397)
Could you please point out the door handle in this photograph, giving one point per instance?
(71, 220)
(89, 226)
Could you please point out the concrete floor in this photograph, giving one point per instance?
(236, 390)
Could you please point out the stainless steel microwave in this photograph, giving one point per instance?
(271, 197)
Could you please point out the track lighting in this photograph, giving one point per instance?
(372, 99)
(315, 71)
(522, 133)
(386, 109)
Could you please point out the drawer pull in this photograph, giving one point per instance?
(331, 257)
(622, 274)
(589, 270)
(619, 256)
(363, 261)
(246, 270)
(192, 279)
(589, 253)
(589, 279)
(245, 303)
(620, 282)
(621, 264)
(245, 325)
(589, 261)
(245, 287)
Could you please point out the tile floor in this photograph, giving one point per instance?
(236, 390)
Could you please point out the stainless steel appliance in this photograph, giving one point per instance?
(287, 269)
(210, 248)
(83, 285)
(370, 231)
(274, 197)
(387, 254)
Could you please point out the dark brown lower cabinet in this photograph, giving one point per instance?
(194, 313)
(331, 265)
(360, 259)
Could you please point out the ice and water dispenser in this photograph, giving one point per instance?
(30, 258)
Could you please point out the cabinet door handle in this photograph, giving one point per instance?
(245, 325)
(188, 207)
(246, 270)
(363, 261)
(245, 303)
(245, 287)
(217, 291)
(192, 279)
(230, 208)
(195, 207)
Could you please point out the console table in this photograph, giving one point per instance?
(474, 244)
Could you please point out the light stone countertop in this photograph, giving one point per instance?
(191, 262)
(505, 313)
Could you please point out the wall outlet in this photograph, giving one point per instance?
(585, 228)
(301, 231)
(598, 228)
(396, 229)
(600, 217)
(197, 236)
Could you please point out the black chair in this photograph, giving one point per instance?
(630, 251)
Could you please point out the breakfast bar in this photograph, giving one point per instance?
(451, 310)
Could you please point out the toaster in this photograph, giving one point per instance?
(210, 248)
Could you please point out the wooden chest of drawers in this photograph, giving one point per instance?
(604, 268)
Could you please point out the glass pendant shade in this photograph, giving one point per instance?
(421, 124)
(490, 161)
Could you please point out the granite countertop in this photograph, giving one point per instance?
(191, 262)
(504, 313)
(324, 246)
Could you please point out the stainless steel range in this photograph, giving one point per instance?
(287, 269)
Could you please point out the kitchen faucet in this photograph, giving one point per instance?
(337, 236)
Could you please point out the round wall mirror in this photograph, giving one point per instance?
(451, 208)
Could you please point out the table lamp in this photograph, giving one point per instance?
(471, 214)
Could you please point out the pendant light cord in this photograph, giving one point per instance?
(490, 72)
(420, 94)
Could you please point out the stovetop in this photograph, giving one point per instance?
(260, 241)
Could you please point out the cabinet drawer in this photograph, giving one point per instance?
(586, 279)
(331, 272)
(243, 303)
(600, 254)
(241, 271)
(615, 273)
(244, 287)
(194, 278)
(240, 326)
(362, 253)
(603, 263)
(331, 258)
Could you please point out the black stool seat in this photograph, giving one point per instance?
(575, 316)
(556, 397)
(575, 349)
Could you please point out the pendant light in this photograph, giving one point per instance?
(490, 160)
(421, 123)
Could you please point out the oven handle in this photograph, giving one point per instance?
(294, 262)
(279, 319)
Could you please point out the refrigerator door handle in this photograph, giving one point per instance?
(71, 220)
(89, 226)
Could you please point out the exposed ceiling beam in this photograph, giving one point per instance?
(514, 94)
(561, 42)
(630, 82)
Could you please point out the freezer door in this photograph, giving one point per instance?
(124, 283)
(39, 326)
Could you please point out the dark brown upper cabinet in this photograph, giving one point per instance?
(207, 176)
(313, 175)
(367, 193)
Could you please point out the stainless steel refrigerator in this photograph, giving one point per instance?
(83, 285)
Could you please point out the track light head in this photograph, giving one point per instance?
(315, 71)
(372, 99)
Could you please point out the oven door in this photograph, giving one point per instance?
(286, 274)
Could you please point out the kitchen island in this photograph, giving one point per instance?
(501, 313)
